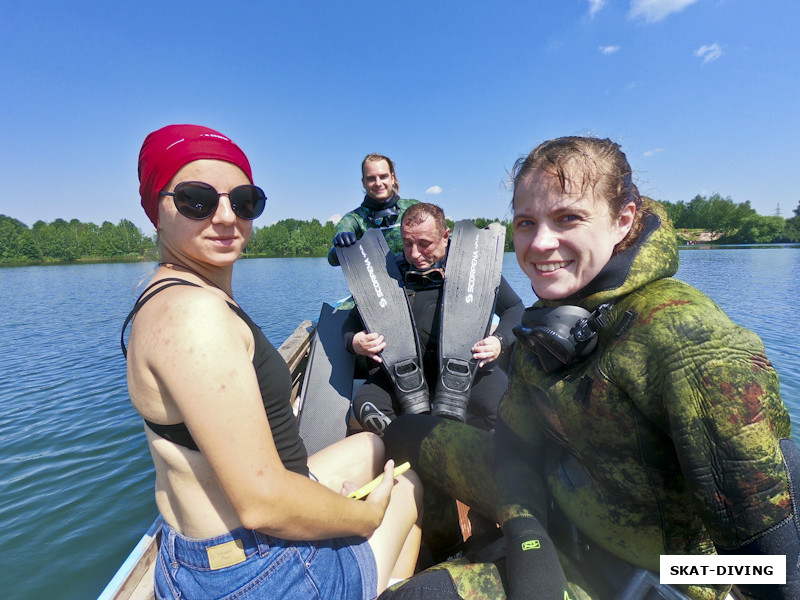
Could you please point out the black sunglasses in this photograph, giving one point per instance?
(197, 200)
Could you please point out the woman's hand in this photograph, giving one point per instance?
(378, 499)
(348, 487)
(369, 345)
(487, 350)
(381, 495)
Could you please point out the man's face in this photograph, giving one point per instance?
(423, 244)
(378, 180)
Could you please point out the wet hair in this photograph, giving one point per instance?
(417, 213)
(583, 163)
(377, 158)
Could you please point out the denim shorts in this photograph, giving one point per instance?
(249, 564)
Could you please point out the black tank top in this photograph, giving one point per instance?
(274, 381)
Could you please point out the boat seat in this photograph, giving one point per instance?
(327, 385)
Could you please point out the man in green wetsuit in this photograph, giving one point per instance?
(650, 425)
(381, 208)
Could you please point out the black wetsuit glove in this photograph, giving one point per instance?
(344, 239)
(784, 539)
(532, 565)
(333, 260)
(340, 240)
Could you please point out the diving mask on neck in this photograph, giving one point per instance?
(384, 217)
(427, 278)
(563, 335)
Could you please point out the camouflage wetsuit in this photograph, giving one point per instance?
(363, 218)
(665, 440)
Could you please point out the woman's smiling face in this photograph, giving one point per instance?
(563, 239)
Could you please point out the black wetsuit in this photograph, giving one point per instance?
(274, 382)
(425, 301)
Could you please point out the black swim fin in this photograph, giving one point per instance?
(377, 287)
(472, 278)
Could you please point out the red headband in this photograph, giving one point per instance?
(166, 150)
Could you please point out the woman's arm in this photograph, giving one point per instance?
(202, 363)
(725, 416)
(728, 420)
(709, 384)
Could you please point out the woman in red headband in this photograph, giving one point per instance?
(246, 511)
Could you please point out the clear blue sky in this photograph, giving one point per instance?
(703, 95)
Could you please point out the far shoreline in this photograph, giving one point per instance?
(700, 242)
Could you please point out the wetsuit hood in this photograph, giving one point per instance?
(375, 205)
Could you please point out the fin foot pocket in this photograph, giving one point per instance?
(453, 390)
(411, 389)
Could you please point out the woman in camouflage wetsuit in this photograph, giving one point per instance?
(659, 430)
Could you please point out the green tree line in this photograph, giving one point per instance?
(733, 223)
(62, 241)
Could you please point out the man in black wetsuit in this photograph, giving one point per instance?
(426, 238)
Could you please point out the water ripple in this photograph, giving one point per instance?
(75, 472)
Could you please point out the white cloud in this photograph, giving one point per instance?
(709, 53)
(655, 10)
(595, 6)
(434, 189)
(652, 152)
(335, 218)
(609, 49)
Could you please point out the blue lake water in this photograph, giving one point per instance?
(76, 479)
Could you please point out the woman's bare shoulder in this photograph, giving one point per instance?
(186, 318)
